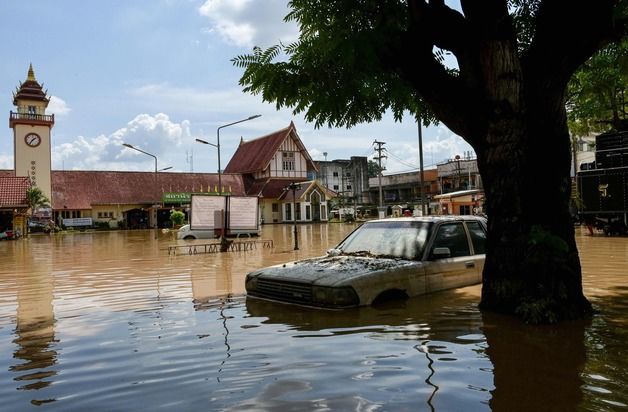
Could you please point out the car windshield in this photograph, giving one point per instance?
(398, 239)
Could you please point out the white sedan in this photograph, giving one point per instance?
(187, 233)
(381, 259)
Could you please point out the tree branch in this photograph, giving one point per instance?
(452, 100)
(567, 33)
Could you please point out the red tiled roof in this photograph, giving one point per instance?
(82, 189)
(13, 191)
(254, 155)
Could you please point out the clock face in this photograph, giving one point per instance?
(32, 139)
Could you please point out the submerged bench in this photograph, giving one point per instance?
(215, 247)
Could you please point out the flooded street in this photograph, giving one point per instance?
(111, 322)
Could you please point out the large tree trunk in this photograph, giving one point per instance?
(532, 266)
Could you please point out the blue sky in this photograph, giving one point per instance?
(157, 74)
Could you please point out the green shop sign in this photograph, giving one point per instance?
(183, 197)
(176, 197)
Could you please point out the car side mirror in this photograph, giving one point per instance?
(333, 252)
(441, 253)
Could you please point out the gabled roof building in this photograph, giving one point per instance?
(269, 164)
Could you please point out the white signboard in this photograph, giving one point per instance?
(206, 211)
(243, 213)
(78, 221)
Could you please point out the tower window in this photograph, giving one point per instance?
(32, 110)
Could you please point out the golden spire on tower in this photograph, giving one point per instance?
(31, 73)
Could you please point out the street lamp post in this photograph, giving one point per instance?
(294, 187)
(217, 145)
(154, 177)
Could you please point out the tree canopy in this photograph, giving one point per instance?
(36, 198)
(373, 168)
(596, 98)
(357, 59)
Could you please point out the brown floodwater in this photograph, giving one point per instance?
(111, 322)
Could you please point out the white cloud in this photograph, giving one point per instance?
(6, 161)
(248, 23)
(58, 106)
(156, 134)
(189, 99)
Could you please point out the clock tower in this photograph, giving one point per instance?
(31, 133)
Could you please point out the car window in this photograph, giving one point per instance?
(452, 236)
(478, 237)
(403, 239)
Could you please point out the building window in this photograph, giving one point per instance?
(335, 174)
(288, 211)
(288, 161)
(465, 209)
(348, 187)
(275, 207)
(308, 212)
(348, 174)
(336, 187)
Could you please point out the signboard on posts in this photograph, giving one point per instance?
(207, 212)
(243, 213)
(236, 214)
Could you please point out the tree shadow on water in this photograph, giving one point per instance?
(535, 368)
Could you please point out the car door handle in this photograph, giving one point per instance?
(469, 264)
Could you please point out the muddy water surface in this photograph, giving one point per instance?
(111, 322)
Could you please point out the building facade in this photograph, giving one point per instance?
(454, 187)
(348, 178)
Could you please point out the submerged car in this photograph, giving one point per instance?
(398, 257)
(187, 233)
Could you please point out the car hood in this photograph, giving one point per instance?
(330, 271)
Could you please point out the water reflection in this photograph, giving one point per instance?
(35, 326)
(422, 326)
(109, 321)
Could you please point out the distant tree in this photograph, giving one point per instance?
(358, 59)
(596, 98)
(373, 168)
(177, 217)
(36, 199)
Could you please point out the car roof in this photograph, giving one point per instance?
(432, 218)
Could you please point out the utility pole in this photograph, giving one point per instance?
(422, 178)
(379, 158)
